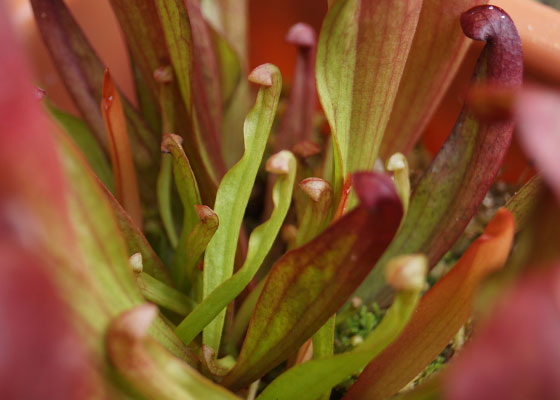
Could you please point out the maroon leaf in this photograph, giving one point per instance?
(207, 93)
(456, 182)
(297, 123)
(144, 34)
(82, 72)
(309, 284)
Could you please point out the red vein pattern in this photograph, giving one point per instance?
(438, 48)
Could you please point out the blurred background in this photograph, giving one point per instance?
(539, 27)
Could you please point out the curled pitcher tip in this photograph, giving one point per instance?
(134, 323)
(373, 189)
(136, 263)
(302, 34)
(39, 93)
(108, 90)
(167, 139)
(280, 163)
(316, 188)
(407, 272)
(163, 74)
(206, 214)
(503, 49)
(306, 149)
(263, 74)
(396, 162)
(481, 22)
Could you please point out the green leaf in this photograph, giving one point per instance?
(165, 296)
(196, 245)
(323, 346)
(453, 187)
(229, 21)
(104, 272)
(229, 18)
(175, 119)
(323, 340)
(136, 242)
(150, 368)
(361, 54)
(524, 202)
(260, 242)
(309, 380)
(308, 285)
(228, 65)
(145, 36)
(84, 139)
(243, 317)
(317, 209)
(398, 164)
(235, 190)
(164, 198)
(187, 187)
(164, 190)
(147, 104)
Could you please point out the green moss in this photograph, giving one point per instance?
(434, 366)
(352, 326)
(356, 327)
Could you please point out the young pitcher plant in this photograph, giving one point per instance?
(205, 239)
